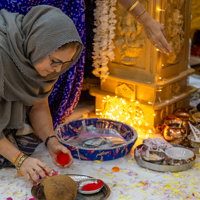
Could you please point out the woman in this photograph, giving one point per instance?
(35, 50)
(69, 85)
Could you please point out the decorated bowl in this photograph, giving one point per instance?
(71, 129)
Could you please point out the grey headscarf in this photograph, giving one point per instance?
(24, 42)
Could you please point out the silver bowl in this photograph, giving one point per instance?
(193, 142)
(84, 182)
(159, 154)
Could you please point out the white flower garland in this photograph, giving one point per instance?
(104, 34)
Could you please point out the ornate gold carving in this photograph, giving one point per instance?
(175, 88)
(129, 38)
(174, 29)
(125, 90)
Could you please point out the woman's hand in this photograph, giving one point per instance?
(155, 33)
(55, 147)
(32, 168)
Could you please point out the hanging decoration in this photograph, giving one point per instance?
(104, 34)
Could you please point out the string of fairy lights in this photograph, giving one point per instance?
(128, 111)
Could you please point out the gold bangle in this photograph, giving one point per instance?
(16, 158)
(133, 6)
(20, 161)
(140, 14)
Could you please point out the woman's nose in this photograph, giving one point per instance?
(58, 68)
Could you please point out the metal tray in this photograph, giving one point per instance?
(164, 168)
(102, 195)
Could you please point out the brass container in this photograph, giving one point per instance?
(175, 130)
(182, 114)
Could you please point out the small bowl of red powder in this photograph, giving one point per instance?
(90, 186)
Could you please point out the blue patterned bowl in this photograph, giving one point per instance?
(72, 128)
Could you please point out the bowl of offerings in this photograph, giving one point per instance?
(96, 138)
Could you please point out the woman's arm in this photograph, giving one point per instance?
(28, 167)
(41, 121)
(40, 118)
(8, 150)
(154, 30)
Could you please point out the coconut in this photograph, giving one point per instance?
(60, 187)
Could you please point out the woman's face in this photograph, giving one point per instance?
(53, 63)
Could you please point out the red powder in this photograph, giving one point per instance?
(92, 186)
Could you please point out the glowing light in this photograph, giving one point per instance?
(162, 10)
(154, 115)
(149, 102)
(160, 78)
(125, 110)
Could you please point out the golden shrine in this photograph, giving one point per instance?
(139, 84)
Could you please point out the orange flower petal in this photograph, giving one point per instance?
(20, 173)
(115, 169)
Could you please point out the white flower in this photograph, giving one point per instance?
(104, 34)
